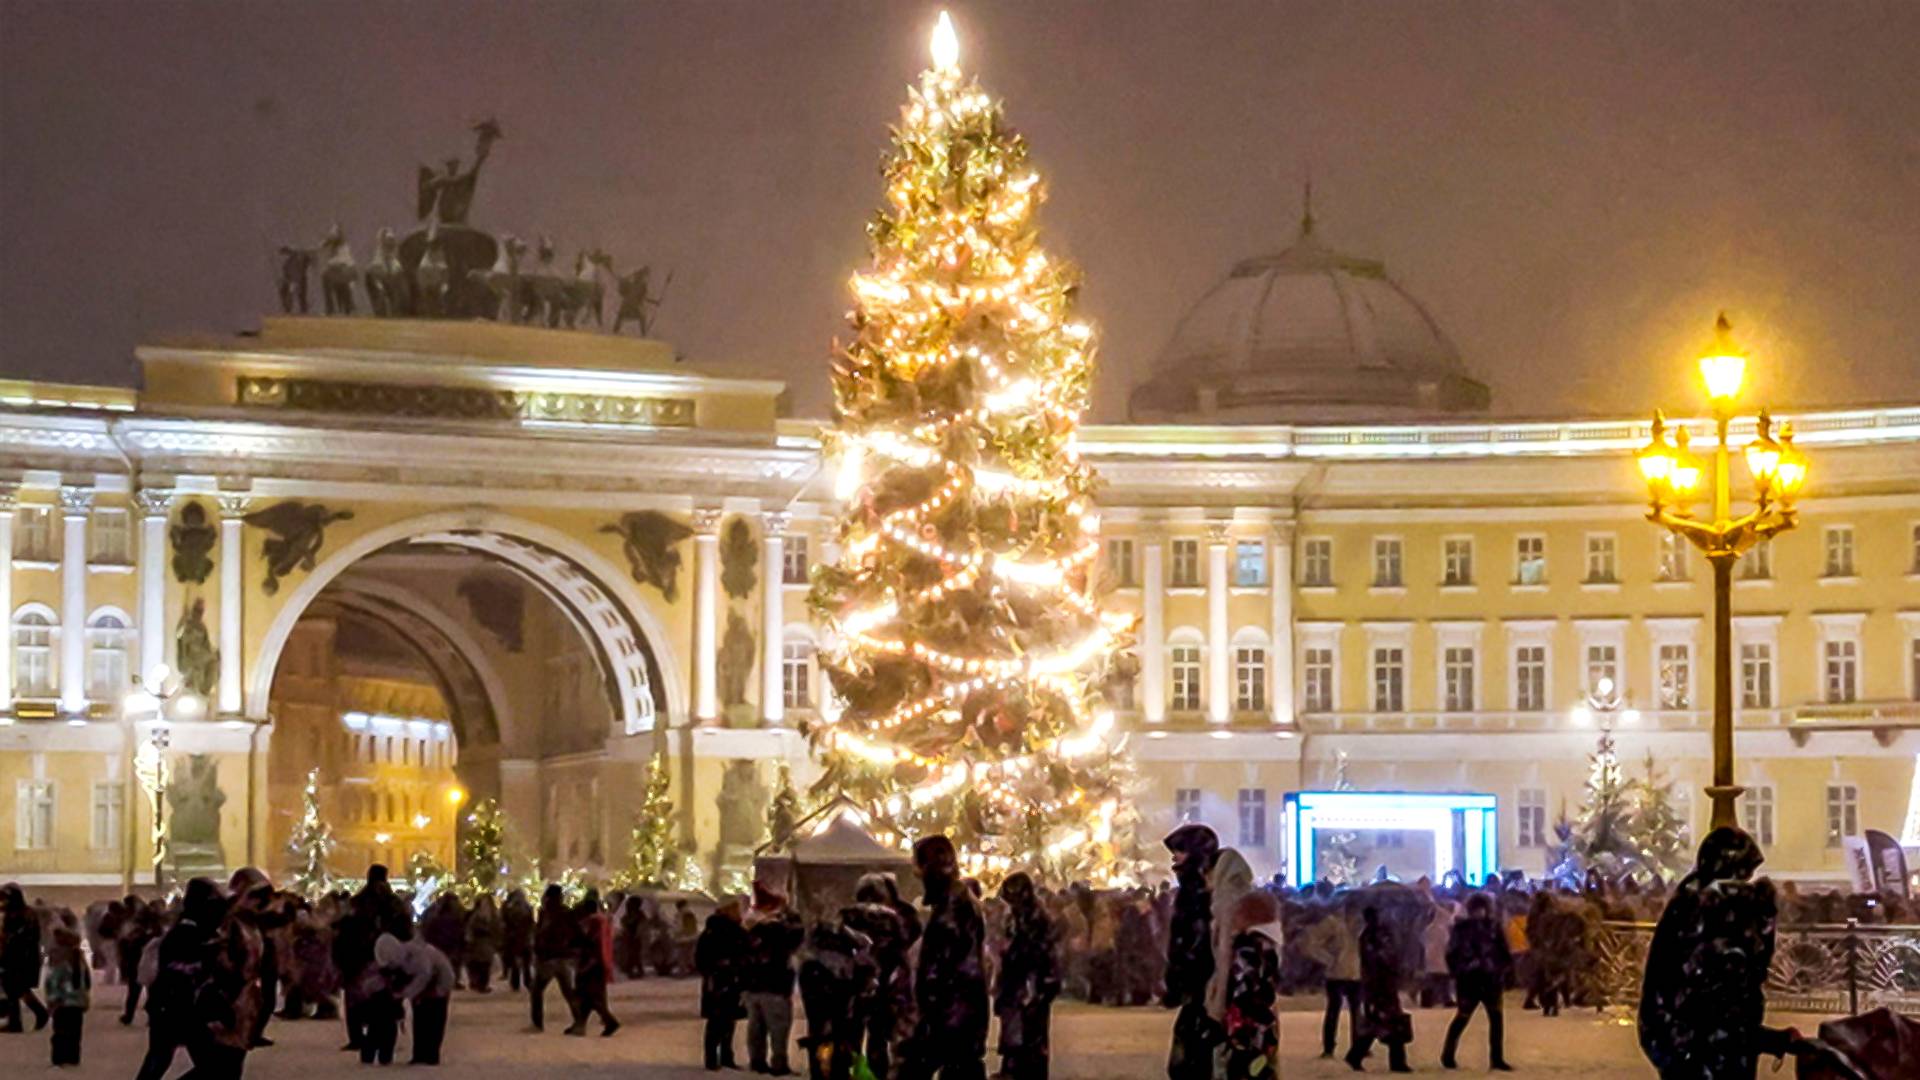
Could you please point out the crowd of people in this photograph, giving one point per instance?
(887, 988)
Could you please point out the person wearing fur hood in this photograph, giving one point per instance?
(1244, 989)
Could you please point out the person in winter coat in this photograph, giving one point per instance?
(444, 927)
(1478, 959)
(261, 917)
(423, 976)
(838, 977)
(1381, 1015)
(886, 1014)
(950, 985)
(554, 935)
(592, 967)
(774, 933)
(352, 957)
(69, 990)
(231, 997)
(720, 956)
(1703, 999)
(1436, 982)
(1251, 984)
(182, 958)
(1136, 946)
(1029, 981)
(138, 927)
(516, 939)
(1190, 960)
(631, 955)
(483, 944)
(20, 959)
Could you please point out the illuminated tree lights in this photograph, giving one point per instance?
(969, 648)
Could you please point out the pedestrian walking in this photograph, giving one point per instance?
(69, 992)
(950, 984)
(592, 967)
(719, 955)
(773, 934)
(1382, 1017)
(554, 935)
(1028, 983)
(483, 944)
(1190, 962)
(516, 940)
(1478, 959)
(20, 960)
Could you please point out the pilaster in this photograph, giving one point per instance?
(76, 503)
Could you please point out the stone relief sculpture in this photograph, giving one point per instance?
(637, 300)
(650, 540)
(299, 530)
(734, 665)
(743, 806)
(739, 555)
(195, 658)
(192, 537)
(193, 829)
(337, 273)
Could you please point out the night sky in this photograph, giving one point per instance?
(1571, 188)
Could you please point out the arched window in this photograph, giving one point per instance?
(33, 652)
(107, 644)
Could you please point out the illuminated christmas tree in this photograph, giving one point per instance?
(483, 861)
(970, 647)
(1603, 830)
(1661, 836)
(654, 859)
(311, 844)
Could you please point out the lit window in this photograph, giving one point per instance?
(1756, 813)
(1457, 661)
(1186, 804)
(1249, 678)
(33, 815)
(1839, 544)
(1757, 563)
(796, 675)
(1842, 671)
(1530, 678)
(1602, 559)
(1673, 557)
(33, 534)
(1316, 562)
(1603, 668)
(1389, 679)
(1676, 675)
(1457, 562)
(106, 658)
(1253, 817)
(1386, 562)
(793, 560)
(1185, 660)
(1843, 813)
(1120, 561)
(1531, 817)
(32, 655)
(1530, 560)
(1249, 563)
(107, 541)
(1316, 677)
(109, 811)
(1186, 564)
(1756, 675)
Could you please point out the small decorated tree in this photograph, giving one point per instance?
(311, 844)
(1660, 832)
(654, 859)
(484, 865)
(1604, 830)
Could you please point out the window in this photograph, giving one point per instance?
(106, 657)
(1386, 562)
(1316, 678)
(1756, 813)
(1185, 660)
(1456, 564)
(1120, 562)
(1843, 813)
(796, 675)
(1531, 804)
(1186, 564)
(33, 534)
(1756, 675)
(1530, 678)
(32, 655)
(1757, 563)
(1186, 804)
(1249, 678)
(794, 563)
(1253, 817)
(109, 812)
(1675, 661)
(1842, 671)
(107, 541)
(1457, 663)
(1389, 679)
(1316, 562)
(33, 815)
(1603, 564)
(1603, 669)
(1530, 560)
(1673, 557)
(1839, 541)
(1250, 563)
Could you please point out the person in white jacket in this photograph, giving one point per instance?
(421, 975)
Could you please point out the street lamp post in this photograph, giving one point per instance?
(1672, 473)
(158, 701)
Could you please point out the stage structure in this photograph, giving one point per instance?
(1410, 833)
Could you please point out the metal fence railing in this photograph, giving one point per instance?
(1818, 968)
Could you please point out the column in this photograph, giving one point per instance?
(1219, 648)
(9, 501)
(153, 503)
(75, 504)
(706, 610)
(233, 507)
(1280, 661)
(773, 709)
(1153, 632)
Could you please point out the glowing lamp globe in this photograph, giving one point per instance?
(1724, 367)
(1763, 454)
(1790, 473)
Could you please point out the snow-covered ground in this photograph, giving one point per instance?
(487, 1040)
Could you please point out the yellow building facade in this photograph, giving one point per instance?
(565, 553)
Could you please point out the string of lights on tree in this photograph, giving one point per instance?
(969, 646)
